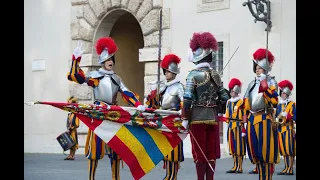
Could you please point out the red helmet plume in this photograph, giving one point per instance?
(261, 53)
(203, 40)
(233, 82)
(108, 43)
(169, 59)
(285, 83)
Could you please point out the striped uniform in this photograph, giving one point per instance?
(72, 125)
(96, 148)
(173, 159)
(286, 134)
(262, 137)
(237, 145)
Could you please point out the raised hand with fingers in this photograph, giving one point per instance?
(78, 50)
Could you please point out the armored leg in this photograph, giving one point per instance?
(235, 165)
(209, 171)
(92, 164)
(265, 171)
(115, 168)
(201, 168)
(171, 170)
(286, 165)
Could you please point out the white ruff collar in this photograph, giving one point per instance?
(234, 99)
(204, 64)
(281, 101)
(106, 71)
(172, 82)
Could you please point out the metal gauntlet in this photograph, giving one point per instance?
(223, 94)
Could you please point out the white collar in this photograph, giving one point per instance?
(232, 99)
(281, 101)
(104, 71)
(204, 64)
(172, 82)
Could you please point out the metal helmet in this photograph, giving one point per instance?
(202, 44)
(286, 86)
(170, 63)
(260, 59)
(106, 48)
(235, 85)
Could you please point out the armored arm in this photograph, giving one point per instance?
(128, 96)
(188, 97)
(76, 74)
(271, 94)
(180, 94)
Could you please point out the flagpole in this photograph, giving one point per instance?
(159, 57)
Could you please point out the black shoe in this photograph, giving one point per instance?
(239, 172)
(253, 172)
(230, 171)
(289, 173)
(281, 173)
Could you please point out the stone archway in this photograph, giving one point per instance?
(88, 15)
(91, 19)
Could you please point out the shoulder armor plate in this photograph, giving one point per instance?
(215, 76)
(116, 78)
(95, 74)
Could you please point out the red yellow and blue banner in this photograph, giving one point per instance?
(142, 140)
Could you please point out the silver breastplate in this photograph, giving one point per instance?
(170, 98)
(106, 91)
(256, 99)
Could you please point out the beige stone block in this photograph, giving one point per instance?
(134, 5)
(145, 8)
(107, 4)
(151, 68)
(90, 16)
(78, 2)
(75, 27)
(152, 40)
(151, 54)
(76, 12)
(81, 91)
(98, 8)
(115, 3)
(150, 22)
(86, 46)
(86, 30)
(157, 3)
(124, 3)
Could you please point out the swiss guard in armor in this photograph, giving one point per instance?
(286, 116)
(236, 130)
(202, 95)
(106, 84)
(170, 98)
(260, 99)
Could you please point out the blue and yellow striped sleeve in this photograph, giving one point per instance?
(271, 96)
(77, 75)
(152, 100)
(131, 98)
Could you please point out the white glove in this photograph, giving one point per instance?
(78, 51)
(284, 114)
(185, 123)
(153, 87)
(243, 134)
(141, 108)
(220, 114)
(179, 112)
